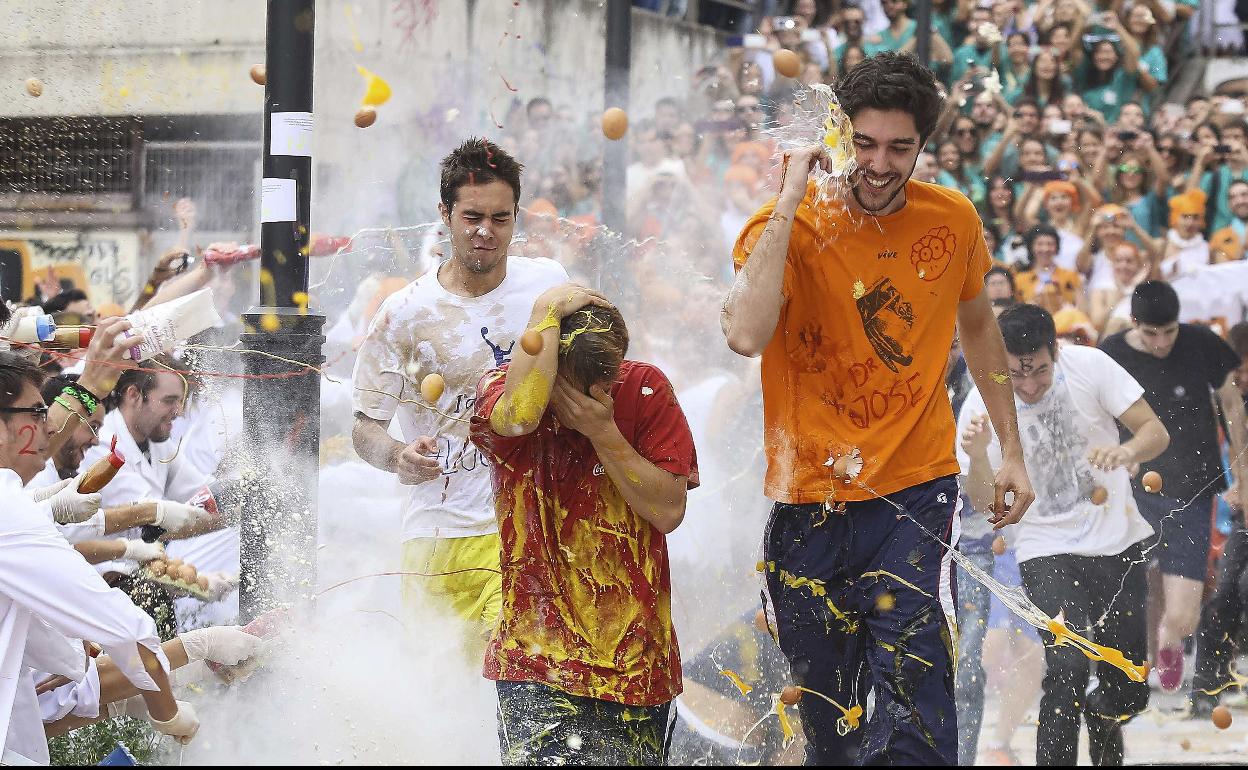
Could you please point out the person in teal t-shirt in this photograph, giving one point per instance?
(974, 54)
(1153, 71)
(979, 50)
(1045, 82)
(1216, 185)
(898, 33)
(1015, 64)
(945, 21)
(1107, 80)
(852, 21)
(954, 173)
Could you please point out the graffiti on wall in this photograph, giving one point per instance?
(104, 263)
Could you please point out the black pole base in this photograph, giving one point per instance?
(282, 411)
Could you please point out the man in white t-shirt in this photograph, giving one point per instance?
(1081, 547)
(457, 321)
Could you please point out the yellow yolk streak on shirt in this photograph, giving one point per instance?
(597, 624)
(524, 407)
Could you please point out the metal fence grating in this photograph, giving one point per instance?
(68, 155)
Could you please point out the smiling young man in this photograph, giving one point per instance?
(1080, 551)
(459, 321)
(1182, 367)
(852, 305)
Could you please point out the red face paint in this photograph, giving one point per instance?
(29, 432)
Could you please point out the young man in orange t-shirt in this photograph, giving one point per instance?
(852, 305)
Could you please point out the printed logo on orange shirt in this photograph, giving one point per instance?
(886, 318)
(932, 253)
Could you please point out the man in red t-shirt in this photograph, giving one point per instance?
(584, 653)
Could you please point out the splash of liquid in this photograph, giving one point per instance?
(1064, 636)
(819, 120)
(376, 89)
(1017, 602)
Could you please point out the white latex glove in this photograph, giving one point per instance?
(69, 506)
(243, 671)
(227, 645)
(176, 518)
(45, 493)
(182, 726)
(220, 584)
(137, 550)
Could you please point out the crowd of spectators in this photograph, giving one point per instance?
(1057, 127)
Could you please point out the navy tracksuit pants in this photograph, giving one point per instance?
(855, 600)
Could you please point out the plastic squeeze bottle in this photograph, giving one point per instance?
(102, 472)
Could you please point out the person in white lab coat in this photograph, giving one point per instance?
(49, 595)
(80, 518)
(66, 706)
(145, 404)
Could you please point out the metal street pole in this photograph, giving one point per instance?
(615, 94)
(923, 32)
(281, 395)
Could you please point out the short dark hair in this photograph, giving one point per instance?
(5, 313)
(478, 161)
(537, 101)
(1046, 36)
(1238, 337)
(592, 343)
(53, 386)
(1027, 101)
(15, 372)
(63, 300)
(1240, 124)
(1001, 270)
(1027, 329)
(1039, 231)
(892, 81)
(143, 379)
(1217, 132)
(1235, 182)
(1155, 303)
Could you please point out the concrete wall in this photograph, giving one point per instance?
(145, 57)
(456, 67)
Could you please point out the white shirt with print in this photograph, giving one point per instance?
(1077, 415)
(424, 329)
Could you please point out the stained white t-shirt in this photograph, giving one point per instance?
(424, 329)
(1077, 415)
